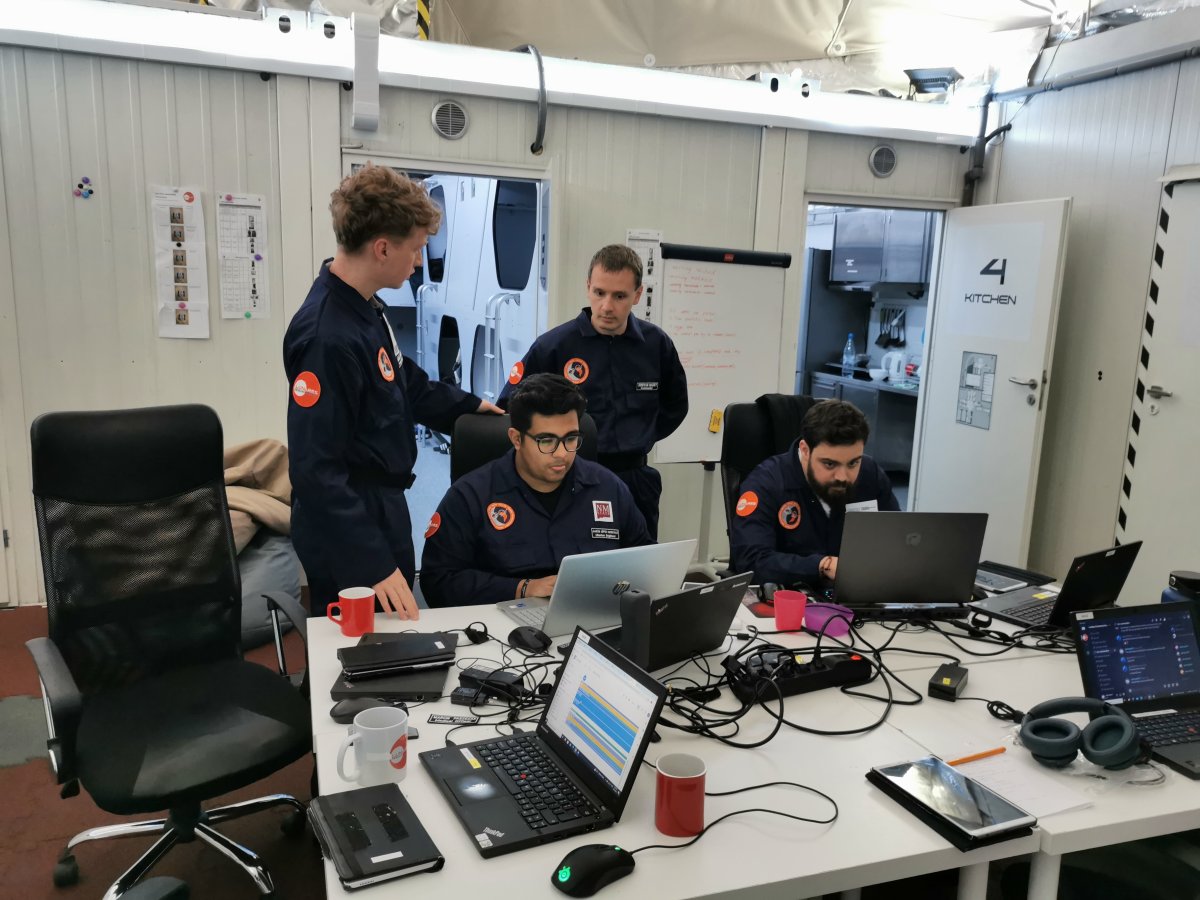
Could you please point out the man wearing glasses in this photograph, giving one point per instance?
(502, 530)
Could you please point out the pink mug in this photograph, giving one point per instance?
(789, 610)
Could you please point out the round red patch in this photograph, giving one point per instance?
(398, 752)
(434, 524)
(385, 365)
(501, 515)
(516, 373)
(576, 370)
(789, 515)
(306, 389)
(747, 503)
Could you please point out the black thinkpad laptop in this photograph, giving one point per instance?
(897, 565)
(658, 633)
(1147, 659)
(572, 775)
(1094, 581)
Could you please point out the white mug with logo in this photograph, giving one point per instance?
(380, 739)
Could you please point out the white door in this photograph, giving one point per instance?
(1160, 490)
(988, 367)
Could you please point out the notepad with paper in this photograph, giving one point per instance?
(1037, 792)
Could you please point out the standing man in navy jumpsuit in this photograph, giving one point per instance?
(502, 530)
(355, 398)
(788, 526)
(627, 368)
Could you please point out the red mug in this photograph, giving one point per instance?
(679, 795)
(356, 611)
(789, 610)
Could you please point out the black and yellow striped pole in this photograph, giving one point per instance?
(423, 19)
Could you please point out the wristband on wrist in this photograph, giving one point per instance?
(524, 588)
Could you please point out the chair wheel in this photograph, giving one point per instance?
(293, 823)
(66, 871)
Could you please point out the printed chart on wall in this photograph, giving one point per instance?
(242, 248)
(976, 382)
(180, 262)
(724, 311)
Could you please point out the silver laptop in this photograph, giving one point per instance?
(589, 586)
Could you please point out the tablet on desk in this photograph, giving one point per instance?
(962, 810)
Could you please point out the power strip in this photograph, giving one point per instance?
(753, 682)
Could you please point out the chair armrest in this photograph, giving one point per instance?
(64, 705)
(277, 602)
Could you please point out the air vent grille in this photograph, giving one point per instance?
(450, 120)
(882, 160)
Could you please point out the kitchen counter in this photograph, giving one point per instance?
(905, 388)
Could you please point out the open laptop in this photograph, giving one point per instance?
(896, 565)
(589, 586)
(1147, 660)
(572, 775)
(1094, 581)
(658, 633)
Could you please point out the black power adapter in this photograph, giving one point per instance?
(492, 682)
(948, 682)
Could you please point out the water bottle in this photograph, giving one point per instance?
(848, 355)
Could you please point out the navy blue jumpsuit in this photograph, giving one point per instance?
(350, 436)
(781, 532)
(636, 391)
(491, 530)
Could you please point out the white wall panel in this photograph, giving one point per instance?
(81, 296)
(1104, 145)
(837, 167)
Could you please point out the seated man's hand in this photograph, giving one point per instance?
(541, 587)
(831, 568)
(396, 597)
(486, 407)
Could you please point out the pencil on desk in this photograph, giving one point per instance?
(983, 754)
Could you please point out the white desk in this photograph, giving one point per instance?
(1119, 812)
(760, 856)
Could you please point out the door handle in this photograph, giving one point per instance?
(1157, 392)
(1031, 384)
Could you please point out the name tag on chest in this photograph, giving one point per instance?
(863, 506)
(643, 386)
(606, 534)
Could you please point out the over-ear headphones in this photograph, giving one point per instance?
(1110, 739)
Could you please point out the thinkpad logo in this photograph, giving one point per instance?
(493, 832)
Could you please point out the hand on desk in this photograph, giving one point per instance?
(396, 597)
(828, 568)
(486, 407)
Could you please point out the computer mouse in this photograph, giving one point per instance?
(526, 637)
(344, 711)
(591, 867)
(766, 591)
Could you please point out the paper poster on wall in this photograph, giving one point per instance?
(241, 252)
(645, 242)
(180, 262)
(976, 382)
(990, 288)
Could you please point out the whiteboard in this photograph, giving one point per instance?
(724, 311)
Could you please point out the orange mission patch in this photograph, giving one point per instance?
(385, 366)
(434, 524)
(747, 503)
(306, 389)
(501, 515)
(789, 515)
(576, 370)
(516, 373)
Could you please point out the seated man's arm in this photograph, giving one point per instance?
(449, 576)
(755, 536)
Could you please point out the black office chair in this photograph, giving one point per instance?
(481, 437)
(749, 435)
(149, 703)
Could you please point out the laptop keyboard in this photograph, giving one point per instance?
(528, 615)
(1036, 612)
(542, 790)
(1180, 728)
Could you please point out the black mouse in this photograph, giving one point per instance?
(526, 637)
(766, 591)
(591, 867)
(344, 711)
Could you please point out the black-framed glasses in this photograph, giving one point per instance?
(548, 443)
